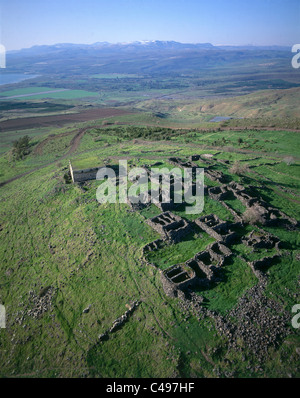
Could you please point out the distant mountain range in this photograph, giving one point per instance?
(146, 45)
(141, 57)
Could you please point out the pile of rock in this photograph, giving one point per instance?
(41, 302)
(259, 322)
(256, 323)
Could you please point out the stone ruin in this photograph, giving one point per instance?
(224, 191)
(242, 195)
(152, 246)
(268, 215)
(83, 175)
(194, 158)
(162, 204)
(177, 279)
(177, 162)
(259, 267)
(207, 263)
(218, 229)
(261, 240)
(137, 206)
(197, 272)
(170, 226)
(119, 322)
(203, 268)
(215, 175)
(218, 193)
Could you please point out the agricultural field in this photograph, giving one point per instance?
(46, 92)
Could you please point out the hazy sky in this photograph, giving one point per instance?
(25, 23)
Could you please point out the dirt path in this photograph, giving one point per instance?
(38, 150)
(73, 147)
(75, 142)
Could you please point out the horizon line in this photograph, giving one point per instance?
(150, 41)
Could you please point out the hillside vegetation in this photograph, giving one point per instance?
(70, 266)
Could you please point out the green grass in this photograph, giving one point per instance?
(277, 142)
(114, 76)
(179, 252)
(237, 278)
(68, 94)
(57, 234)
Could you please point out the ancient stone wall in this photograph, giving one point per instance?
(258, 240)
(218, 229)
(83, 175)
(218, 193)
(119, 322)
(215, 175)
(170, 226)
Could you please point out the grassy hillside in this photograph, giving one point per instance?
(61, 248)
(267, 104)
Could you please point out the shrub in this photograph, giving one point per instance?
(252, 216)
(21, 147)
(289, 160)
(238, 168)
(68, 178)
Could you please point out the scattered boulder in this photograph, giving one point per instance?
(87, 309)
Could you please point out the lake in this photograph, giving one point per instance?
(220, 118)
(14, 78)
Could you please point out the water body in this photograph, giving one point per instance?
(220, 118)
(14, 78)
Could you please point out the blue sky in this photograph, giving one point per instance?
(25, 23)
